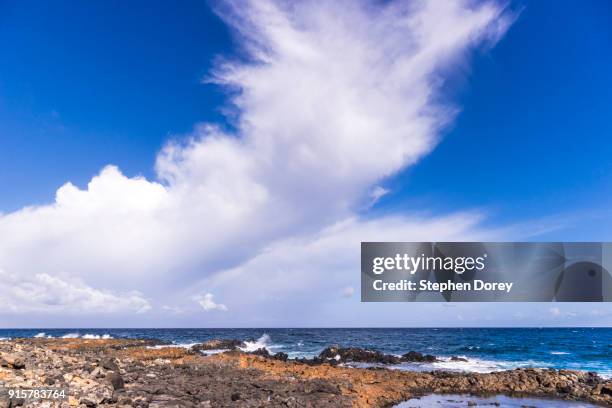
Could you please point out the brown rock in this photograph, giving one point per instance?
(115, 380)
(12, 361)
(88, 403)
(109, 364)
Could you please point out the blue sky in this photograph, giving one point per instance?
(533, 138)
(99, 83)
(86, 85)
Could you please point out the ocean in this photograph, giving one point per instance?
(486, 349)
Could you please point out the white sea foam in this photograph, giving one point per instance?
(476, 365)
(188, 346)
(96, 336)
(87, 336)
(607, 374)
(559, 353)
(263, 342)
(214, 351)
(42, 335)
(472, 365)
(181, 345)
(300, 354)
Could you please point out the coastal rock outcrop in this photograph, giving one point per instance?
(357, 355)
(218, 344)
(416, 357)
(128, 373)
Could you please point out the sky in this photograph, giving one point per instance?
(217, 164)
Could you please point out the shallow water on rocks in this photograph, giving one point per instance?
(458, 400)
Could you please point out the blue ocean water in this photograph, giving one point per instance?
(487, 349)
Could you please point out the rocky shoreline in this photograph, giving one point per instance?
(145, 373)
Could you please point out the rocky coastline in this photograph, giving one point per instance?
(148, 374)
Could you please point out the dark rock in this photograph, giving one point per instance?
(218, 344)
(18, 364)
(455, 358)
(416, 357)
(357, 355)
(605, 389)
(125, 401)
(281, 356)
(109, 364)
(235, 396)
(261, 352)
(310, 361)
(592, 378)
(88, 403)
(113, 398)
(115, 380)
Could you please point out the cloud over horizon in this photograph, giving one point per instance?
(331, 98)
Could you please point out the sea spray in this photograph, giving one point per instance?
(263, 342)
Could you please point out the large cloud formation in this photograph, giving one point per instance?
(329, 99)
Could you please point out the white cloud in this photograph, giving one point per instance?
(332, 98)
(208, 304)
(43, 293)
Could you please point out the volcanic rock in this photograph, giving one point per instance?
(357, 355)
(416, 357)
(218, 344)
(115, 380)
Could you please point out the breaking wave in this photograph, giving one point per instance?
(86, 336)
(263, 342)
